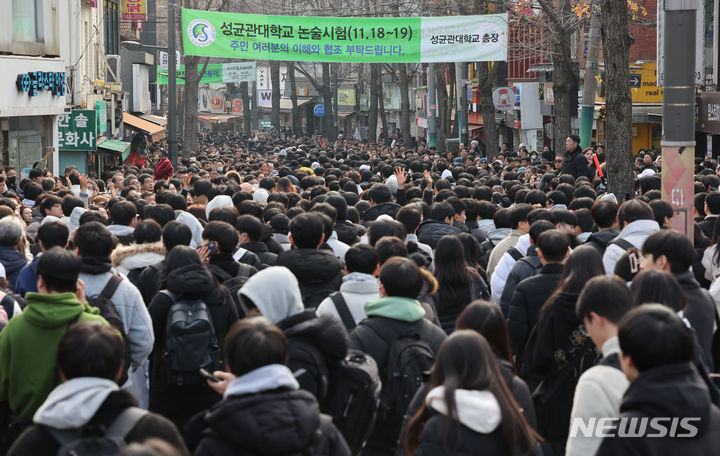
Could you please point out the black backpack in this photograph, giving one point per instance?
(103, 301)
(350, 391)
(93, 440)
(409, 360)
(190, 342)
(234, 284)
(342, 309)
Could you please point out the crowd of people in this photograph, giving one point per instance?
(291, 296)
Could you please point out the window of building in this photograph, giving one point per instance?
(112, 31)
(27, 21)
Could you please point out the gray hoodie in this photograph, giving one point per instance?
(357, 289)
(73, 403)
(275, 292)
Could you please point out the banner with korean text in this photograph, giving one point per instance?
(77, 130)
(214, 73)
(133, 10)
(345, 39)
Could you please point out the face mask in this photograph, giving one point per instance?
(11, 180)
(220, 169)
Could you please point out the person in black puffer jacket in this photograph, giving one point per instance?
(263, 411)
(250, 230)
(186, 277)
(468, 409)
(437, 225)
(575, 162)
(380, 197)
(315, 342)
(319, 272)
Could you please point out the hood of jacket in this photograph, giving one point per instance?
(278, 422)
(54, 310)
(192, 280)
(669, 391)
(396, 308)
(75, 218)
(73, 403)
(487, 225)
(135, 256)
(477, 410)
(265, 378)
(121, 230)
(639, 228)
(12, 259)
(498, 234)
(275, 292)
(325, 332)
(311, 265)
(195, 226)
(360, 283)
(603, 237)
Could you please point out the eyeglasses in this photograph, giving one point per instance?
(558, 161)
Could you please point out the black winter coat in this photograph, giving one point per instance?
(430, 231)
(314, 342)
(179, 403)
(271, 423)
(576, 164)
(149, 281)
(529, 297)
(266, 257)
(348, 232)
(37, 440)
(379, 209)
(525, 267)
(601, 239)
(708, 225)
(319, 273)
(674, 390)
(700, 312)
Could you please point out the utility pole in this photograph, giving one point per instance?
(172, 98)
(432, 106)
(336, 84)
(678, 142)
(590, 83)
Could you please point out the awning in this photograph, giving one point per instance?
(154, 131)
(345, 114)
(162, 121)
(649, 113)
(217, 118)
(116, 146)
(286, 103)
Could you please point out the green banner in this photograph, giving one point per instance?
(77, 130)
(345, 39)
(214, 73)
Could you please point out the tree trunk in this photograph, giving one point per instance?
(564, 89)
(381, 108)
(275, 86)
(327, 101)
(245, 94)
(190, 129)
(373, 109)
(296, 121)
(442, 103)
(404, 104)
(485, 81)
(616, 51)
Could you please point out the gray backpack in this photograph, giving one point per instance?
(98, 440)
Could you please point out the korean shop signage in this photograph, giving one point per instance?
(77, 130)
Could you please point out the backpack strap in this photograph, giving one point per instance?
(219, 272)
(342, 309)
(111, 286)
(622, 243)
(126, 421)
(515, 253)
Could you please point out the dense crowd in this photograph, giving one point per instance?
(288, 296)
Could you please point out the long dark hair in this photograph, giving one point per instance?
(487, 319)
(179, 256)
(471, 248)
(654, 286)
(466, 361)
(583, 264)
(453, 274)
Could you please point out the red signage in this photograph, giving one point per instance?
(237, 105)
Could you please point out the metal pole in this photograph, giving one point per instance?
(172, 107)
(590, 83)
(432, 106)
(678, 142)
(459, 95)
(336, 83)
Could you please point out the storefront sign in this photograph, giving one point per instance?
(221, 73)
(77, 130)
(134, 10)
(504, 99)
(237, 105)
(101, 109)
(710, 112)
(41, 81)
(345, 39)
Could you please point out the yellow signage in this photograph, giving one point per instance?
(643, 84)
(134, 10)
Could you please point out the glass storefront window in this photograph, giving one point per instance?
(25, 143)
(27, 21)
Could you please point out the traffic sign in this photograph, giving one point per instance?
(319, 110)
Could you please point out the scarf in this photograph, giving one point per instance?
(95, 265)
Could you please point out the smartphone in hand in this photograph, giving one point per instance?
(209, 376)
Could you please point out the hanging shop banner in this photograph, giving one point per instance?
(345, 39)
(77, 130)
(214, 73)
(133, 10)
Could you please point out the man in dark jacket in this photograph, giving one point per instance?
(712, 209)
(604, 214)
(672, 252)
(380, 196)
(575, 162)
(437, 225)
(263, 411)
(657, 351)
(396, 315)
(250, 230)
(90, 356)
(531, 293)
(318, 271)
